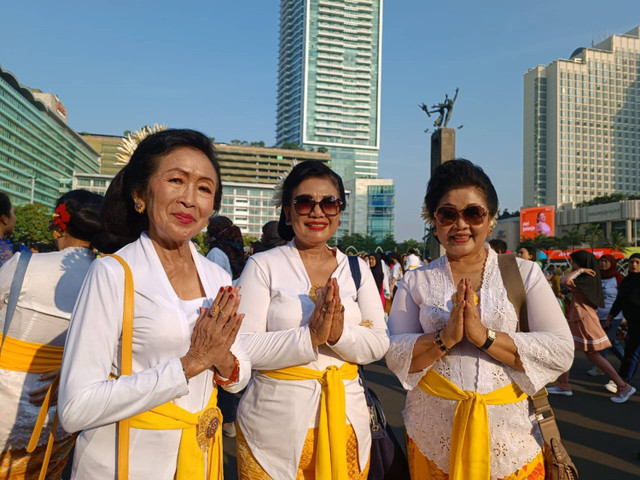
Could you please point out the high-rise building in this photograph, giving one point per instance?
(329, 81)
(582, 124)
(39, 152)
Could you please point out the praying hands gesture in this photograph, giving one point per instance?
(327, 320)
(464, 321)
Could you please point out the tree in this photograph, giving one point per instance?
(323, 149)
(388, 243)
(247, 239)
(360, 242)
(32, 223)
(617, 242)
(257, 144)
(592, 232)
(407, 245)
(291, 146)
(574, 237)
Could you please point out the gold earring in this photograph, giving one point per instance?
(139, 205)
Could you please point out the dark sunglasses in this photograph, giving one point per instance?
(473, 215)
(304, 205)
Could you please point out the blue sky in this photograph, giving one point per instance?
(211, 65)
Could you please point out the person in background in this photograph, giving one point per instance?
(556, 286)
(375, 263)
(269, 239)
(542, 227)
(185, 322)
(307, 325)
(386, 284)
(499, 246)
(7, 224)
(455, 344)
(611, 279)
(226, 250)
(588, 336)
(527, 252)
(397, 270)
(38, 329)
(226, 247)
(413, 261)
(628, 301)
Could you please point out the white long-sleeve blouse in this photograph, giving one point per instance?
(49, 291)
(275, 415)
(423, 304)
(89, 401)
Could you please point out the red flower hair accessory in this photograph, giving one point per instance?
(61, 217)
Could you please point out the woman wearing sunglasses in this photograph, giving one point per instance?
(454, 343)
(306, 328)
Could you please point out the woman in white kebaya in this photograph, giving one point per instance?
(185, 322)
(36, 331)
(454, 344)
(307, 325)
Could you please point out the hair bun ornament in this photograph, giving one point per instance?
(278, 190)
(425, 215)
(61, 217)
(129, 143)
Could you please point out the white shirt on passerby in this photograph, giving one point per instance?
(412, 262)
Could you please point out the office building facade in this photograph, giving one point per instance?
(39, 152)
(582, 124)
(329, 81)
(107, 147)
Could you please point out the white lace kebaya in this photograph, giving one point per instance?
(422, 305)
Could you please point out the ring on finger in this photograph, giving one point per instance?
(215, 312)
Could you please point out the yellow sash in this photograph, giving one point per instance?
(200, 431)
(204, 426)
(331, 456)
(470, 455)
(21, 356)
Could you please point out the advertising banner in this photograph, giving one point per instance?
(536, 221)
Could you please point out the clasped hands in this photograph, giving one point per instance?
(327, 320)
(213, 334)
(464, 321)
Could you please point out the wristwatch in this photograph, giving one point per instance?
(491, 336)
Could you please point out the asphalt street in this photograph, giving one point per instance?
(602, 437)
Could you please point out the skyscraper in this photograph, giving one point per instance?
(329, 81)
(582, 124)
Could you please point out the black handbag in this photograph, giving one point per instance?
(387, 460)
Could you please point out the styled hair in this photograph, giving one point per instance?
(459, 173)
(84, 211)
(530, 249)
(121, 221)
(5, 204)
(299, 173)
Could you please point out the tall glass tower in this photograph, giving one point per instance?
(329, 81)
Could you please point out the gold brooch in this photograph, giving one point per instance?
(476, 299)
(315, 292)
(208, 424)
(366, 323)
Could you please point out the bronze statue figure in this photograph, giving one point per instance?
(440, 109)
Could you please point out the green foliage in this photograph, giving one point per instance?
(291, 146)
(247, 239)
(201, 240)
(592, 232)
(323, 149)
(32, 223)
(617, 242)
(405, 246)
(507, 214)
(388, 243)
(360, 242)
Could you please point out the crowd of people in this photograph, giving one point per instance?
(134, 359)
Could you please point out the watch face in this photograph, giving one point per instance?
(491, 334)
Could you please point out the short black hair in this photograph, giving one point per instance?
(459, 173)
(5, 204)
(119, 216)
(530, 249)
(299, 173)
(500, 246)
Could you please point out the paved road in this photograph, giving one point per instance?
(603, 438)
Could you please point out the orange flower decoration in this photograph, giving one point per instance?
(61, 217)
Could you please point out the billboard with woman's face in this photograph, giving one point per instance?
(536, 221)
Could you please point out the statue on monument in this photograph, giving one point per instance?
(443, 110)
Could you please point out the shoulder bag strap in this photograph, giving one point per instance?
(14, 292)
(354, 265)
(517, 296)
(125, 365)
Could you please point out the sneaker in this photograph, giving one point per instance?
(229, 429)
(611, 386)
(558, 389)
(595, 372)
(624, 395)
